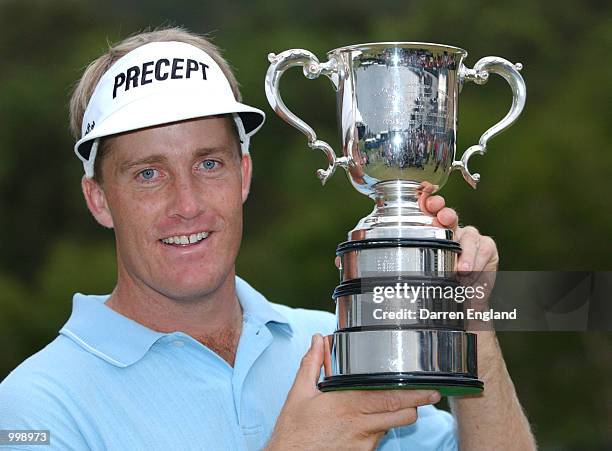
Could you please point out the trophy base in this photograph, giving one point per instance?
(447, 385)
(391, 358)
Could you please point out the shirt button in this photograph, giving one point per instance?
(178, 343)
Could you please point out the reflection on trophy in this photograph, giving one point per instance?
(397, 114)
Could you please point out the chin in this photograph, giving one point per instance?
(186, 294)
(191, 288)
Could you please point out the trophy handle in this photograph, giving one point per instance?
(312, 68)
(479, 75)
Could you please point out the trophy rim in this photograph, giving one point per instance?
(400, 44)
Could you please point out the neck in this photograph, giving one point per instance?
(214, 319)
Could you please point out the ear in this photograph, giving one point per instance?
(246, 166)
(96, 202)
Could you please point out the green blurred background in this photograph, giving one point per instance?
(544, 194)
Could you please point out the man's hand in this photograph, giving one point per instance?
(505, 425)
(479, 253)
(356, 420)
(478, 261)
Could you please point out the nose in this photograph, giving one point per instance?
(186, 199)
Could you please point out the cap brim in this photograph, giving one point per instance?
(147, 113)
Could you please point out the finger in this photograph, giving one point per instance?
(305, 384)
(384, 421)
(384, 401)
(337, 262)
(469, 240)
(447, 218)
(487, 257)
(433, 204)
(427, 190)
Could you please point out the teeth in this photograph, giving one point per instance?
(184, 239)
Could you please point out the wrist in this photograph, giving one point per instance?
(490, 360)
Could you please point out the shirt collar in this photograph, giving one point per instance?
(121, 341)
(256, 306)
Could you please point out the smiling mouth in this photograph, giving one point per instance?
(185, 240)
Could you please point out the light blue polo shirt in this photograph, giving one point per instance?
(109, 383)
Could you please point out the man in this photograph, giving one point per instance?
(183, 354)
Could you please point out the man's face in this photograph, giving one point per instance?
(174, 196)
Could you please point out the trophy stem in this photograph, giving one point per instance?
(399, 199)
(397, 214)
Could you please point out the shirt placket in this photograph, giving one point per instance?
(254, 340)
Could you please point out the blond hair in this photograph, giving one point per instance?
(85, 87)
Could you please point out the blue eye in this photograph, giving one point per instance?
(209, 164)
(147, 174)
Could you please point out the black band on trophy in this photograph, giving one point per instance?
(398, 327)
(431, 243)
(450, 384)
(368, 285)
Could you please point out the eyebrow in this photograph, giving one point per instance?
(157, 159)
(153, 159)
(207, 151)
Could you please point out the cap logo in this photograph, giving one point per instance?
(90, 127)
(158, 70)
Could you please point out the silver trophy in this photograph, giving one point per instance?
(397, 114)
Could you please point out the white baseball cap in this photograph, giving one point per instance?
(160, 83)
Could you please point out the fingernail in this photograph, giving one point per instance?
(315, 338)
(435, 397)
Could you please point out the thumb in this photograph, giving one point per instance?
(337, 262)
(305, 384)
